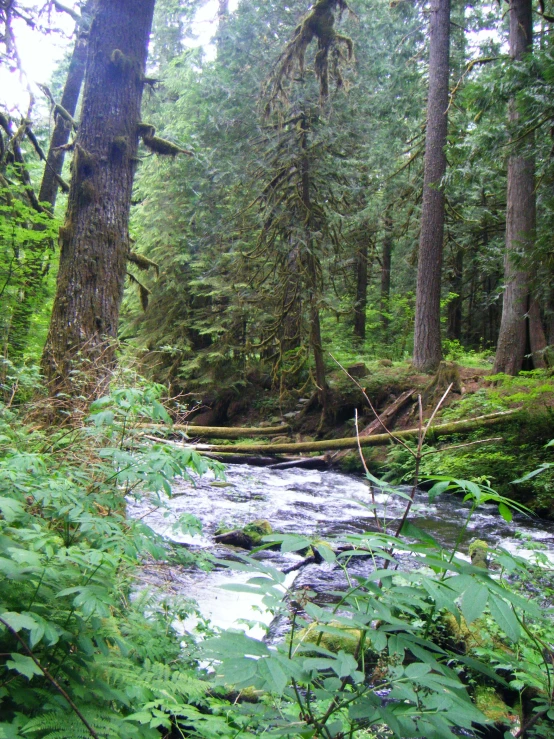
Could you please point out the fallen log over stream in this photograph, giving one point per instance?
(445, 429)
(216, 432)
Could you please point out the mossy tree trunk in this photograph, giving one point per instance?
(360, 305)
(520, 216)
(427, 334)
(386, 264)
(94, 239)
(37, 266)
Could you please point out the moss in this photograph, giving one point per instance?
(146, 129)
(163, 147)
(462, 637)
(491, 704)
(122, 63)
(478, 551)
(258, 529)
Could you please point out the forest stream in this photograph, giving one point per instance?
(313, 503)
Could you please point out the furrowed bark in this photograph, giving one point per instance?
(520, 216)
(427, 333)
(80, 350)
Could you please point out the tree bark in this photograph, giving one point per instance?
(386, 263)
(51, 181)
(427, 334)
(80, 350)
(361, 291)
(520, 216)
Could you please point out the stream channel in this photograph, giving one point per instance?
(326, 504)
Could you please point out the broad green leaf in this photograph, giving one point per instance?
(504, 616)
(417, 670)
(473, 601)
(505, 512)
(273, 675)
(233, 643)
(11, 509)
(19, 621)
(24, 665)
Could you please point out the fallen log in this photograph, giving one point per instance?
(445, 429)
(216, 432)
(274, 462)
(377, 424)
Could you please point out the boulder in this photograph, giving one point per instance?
(248, 537)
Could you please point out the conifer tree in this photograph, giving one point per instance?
(427, 336)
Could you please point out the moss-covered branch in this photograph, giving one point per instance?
(445, 429)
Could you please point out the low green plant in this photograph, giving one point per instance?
(81, 655)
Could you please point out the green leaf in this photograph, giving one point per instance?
(231, 644)
(11, 509)
(24, 665)
(504, 616)
(417, 670)
(18, 621)
(505, 512)
(326, 552)
(273, 675)
(437, 489)
(474, 601)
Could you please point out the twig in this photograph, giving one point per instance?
(51, 679)
(434, 413)
(459, 446)
(368, 401)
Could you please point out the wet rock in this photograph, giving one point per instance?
(246, 538)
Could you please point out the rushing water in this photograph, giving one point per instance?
(325, 504)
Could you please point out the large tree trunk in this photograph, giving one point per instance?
(386, 263)
(520, 217)
(361, 291)
(427, 336)
(94, 239)
(51, 180)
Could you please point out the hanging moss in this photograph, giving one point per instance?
(318, 25)
(144, 292)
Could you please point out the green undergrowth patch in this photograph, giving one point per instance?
(81, 646)
(518, 446)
